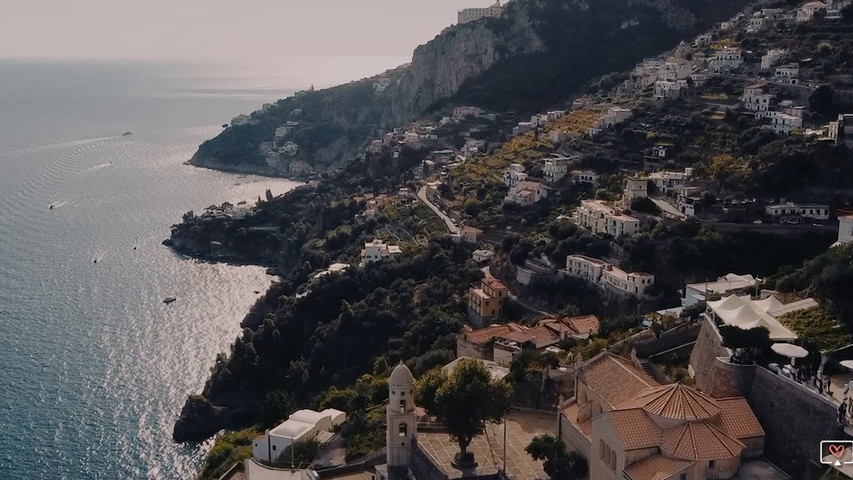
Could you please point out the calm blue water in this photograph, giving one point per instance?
(94, 368)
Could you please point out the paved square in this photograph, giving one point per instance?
(488, 449)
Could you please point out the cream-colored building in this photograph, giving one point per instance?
(473, 14)
(608, 277)
(631, 428)
(598, 217)
(636, 187)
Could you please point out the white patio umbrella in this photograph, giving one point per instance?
(848, 364)
(790, 351)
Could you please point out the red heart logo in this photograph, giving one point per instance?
(836, 450)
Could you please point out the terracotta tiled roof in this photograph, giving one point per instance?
(675, 401)
(635, 429)
(613, 378)
(584, 324)
(587, 324)
(737, 419)
(543, 337)
(699, 441)
(656, 467)
(494, 283)
(483, 335)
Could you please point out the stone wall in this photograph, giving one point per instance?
(422, 467)
(703, 359)
(795, 421)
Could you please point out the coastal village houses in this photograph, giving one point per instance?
(502, 342)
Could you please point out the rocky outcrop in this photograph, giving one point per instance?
(459, 54)
(199, 420)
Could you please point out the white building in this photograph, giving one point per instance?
(756, 99)
(514, 175)
(378, 250)
(757, 23)
(522, 127)
(805, 210)
(703, 40)
(845, 229)
(555, 169)
(607, 276)
(473, 14)
(460, 113)
(788, 74)
(527, 193)
(622, 225)
(841, 130)
(481, 256)
(598, 217)
(772, 58)
(283, 131)
(727, 59)
(302, 425)
(381, 84)
(784, 124)
(559, 136)
(807, 11)
(746, 313)
(636, 187)
(616, 115)
(667, 90)
(588, 177)
(667, 181)
(695, 293)
(834, 8)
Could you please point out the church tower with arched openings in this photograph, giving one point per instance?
(402, 420)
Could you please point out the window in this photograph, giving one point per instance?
(683, 476)
(403, 430)
(613, 462)
(273, 448)
(601, 449)
(711, 463)
(402, 406)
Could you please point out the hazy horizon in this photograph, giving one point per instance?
(255, 30)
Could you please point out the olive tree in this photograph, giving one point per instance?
(464, 401)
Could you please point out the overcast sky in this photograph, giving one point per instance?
(221, 29)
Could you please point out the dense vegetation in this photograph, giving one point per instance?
(827, 277)
(406, 310)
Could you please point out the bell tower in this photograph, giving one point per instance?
(402, 420)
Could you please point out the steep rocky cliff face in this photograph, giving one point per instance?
(459, 54)
(536, 56)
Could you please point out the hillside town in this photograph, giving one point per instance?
(733, 375)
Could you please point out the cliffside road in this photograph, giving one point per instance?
(447, 220)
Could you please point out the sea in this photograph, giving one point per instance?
(94, 367)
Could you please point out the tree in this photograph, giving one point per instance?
(748, 343)
(821, 100)
(559, 465)
(277, 406)
(464, 401)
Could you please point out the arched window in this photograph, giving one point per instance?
(402, 406)
(403, 430)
